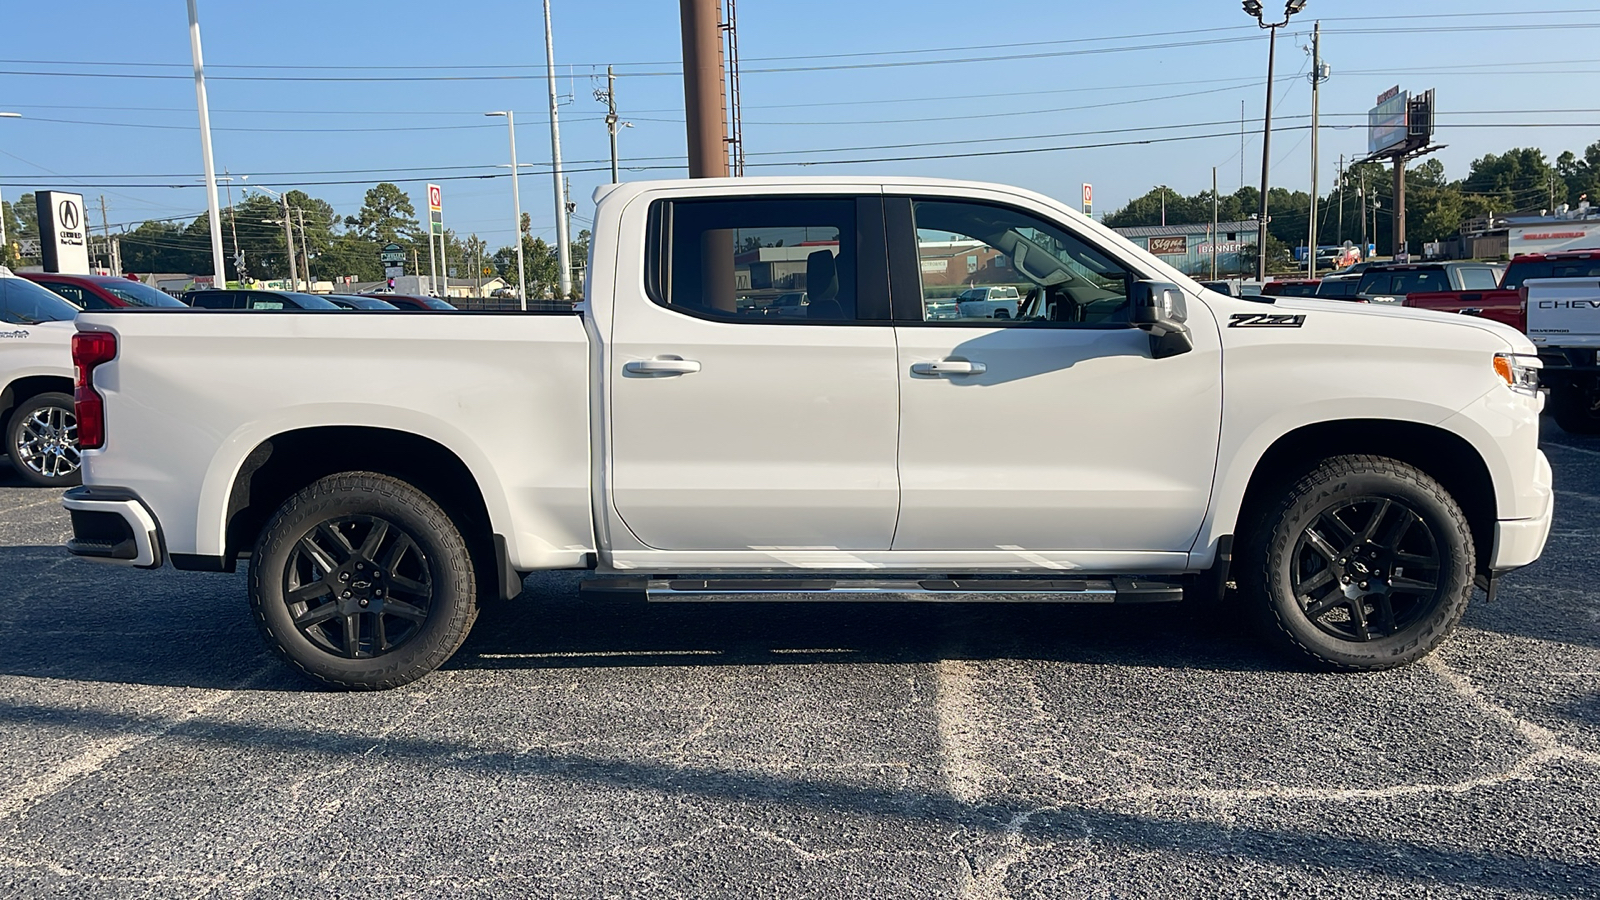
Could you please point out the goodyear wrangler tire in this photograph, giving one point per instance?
(1365, 563)
(362, 582)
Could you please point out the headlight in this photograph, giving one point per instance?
(1520, 373)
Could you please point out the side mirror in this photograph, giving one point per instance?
(1160, 310)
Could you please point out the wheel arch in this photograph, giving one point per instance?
(20, 390)
(287, 462)
(1444, 455)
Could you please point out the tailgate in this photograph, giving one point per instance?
(1564, 312)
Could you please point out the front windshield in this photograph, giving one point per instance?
(1408, 281)
(135, 293)
(24, 303)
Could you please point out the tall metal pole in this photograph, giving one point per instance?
(611, 119)
(218, 273)
(1399, 206)
(305, 249)
(1341, 200)
(433, 261)
(288, 243)
(563, 242)
(1316, 81)
(1266, 158)
(1361, 208)
(1215, 225)
(702, 88)
(233, 225)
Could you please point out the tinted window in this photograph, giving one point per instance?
(1037, 273)
(77, 295)
(24, 303)
(1479, 280)
(1550, 268)
(212, 299)
(1408, 281)
(777, 260)
(1342, 287)
(135, 293)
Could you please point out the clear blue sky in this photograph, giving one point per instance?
(1027, 86)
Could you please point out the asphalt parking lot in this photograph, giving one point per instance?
(152, 748)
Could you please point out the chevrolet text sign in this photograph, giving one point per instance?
(63, 232)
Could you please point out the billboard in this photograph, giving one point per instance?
(63, 232)
(1388, 124)
(1554, 235)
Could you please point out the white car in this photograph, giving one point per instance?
(1126, 437)
(37, 416)
(988, 303)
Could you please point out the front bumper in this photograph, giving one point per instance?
(113, 525)
(1518, 542)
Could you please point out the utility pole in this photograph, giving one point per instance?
(1163, 206)
(1254, 8)
(105, 226)
(563, 250)
(233, 225)
(218, 273)
(1241, 145)
(1341, 201)
(1399, 207)
(1214, 223)
(613, 124)
(1317, 77)
(305, 249)
(1361, 207)
(477, 268)
(288, 242)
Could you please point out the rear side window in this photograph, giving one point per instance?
(212, 299)
(135, 293)
(1409, 281)
(1344, 287)
(82, 298)
(1479, 280)
(768, 260)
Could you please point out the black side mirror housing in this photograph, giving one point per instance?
(1159, 308)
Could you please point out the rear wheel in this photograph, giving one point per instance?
(42, 441)
(362, 582)
(1365, 563)
(1576, 409)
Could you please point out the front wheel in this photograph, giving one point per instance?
(362, 582)
(1365, 563)
(42, 441)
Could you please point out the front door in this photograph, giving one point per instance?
(753, 397)
(1052, 429)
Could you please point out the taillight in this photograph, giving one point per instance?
(90, 349)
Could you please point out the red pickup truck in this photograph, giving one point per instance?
(1508, 304)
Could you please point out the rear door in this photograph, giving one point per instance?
(1054, 430)
(733, 428)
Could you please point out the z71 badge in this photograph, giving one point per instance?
(1265, 320)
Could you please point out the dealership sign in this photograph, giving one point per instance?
(63, 233)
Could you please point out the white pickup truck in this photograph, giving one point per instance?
(1564, 324)
(1126, 437)
(37, 418)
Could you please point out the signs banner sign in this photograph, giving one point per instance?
(1169, 246)
(392, 253)
(63, 232)
(393, 272)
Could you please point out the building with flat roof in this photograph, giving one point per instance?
(1187, 248)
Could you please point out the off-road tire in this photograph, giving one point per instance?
(1274, 538)
(442, 553)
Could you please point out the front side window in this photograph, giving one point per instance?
(993, 265)
(75, 294)
(24, 303)
(135, 293)
(768, 260)
(1479, 280)
(1400, 283)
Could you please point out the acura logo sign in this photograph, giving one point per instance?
(67, 215)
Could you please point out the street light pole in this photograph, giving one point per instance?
(218, 272)
(563, 249)
(516, 204)
(1253, 7)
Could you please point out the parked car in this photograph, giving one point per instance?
(1507, 304)
(414, 303)
(359, 301)
(1339, 287)
(252, 299)
(989, 303)
(1391, 282)
(103, 291)
(1304, 287)
(37, 415)
(1354, 469)
(1236, 287)
(1563, 321)
(793, 304)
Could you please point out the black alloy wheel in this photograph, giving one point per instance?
(358, 586)
(1364, 563)
(1366, 569)
(363, 582)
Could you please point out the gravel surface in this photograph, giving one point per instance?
(153, 748)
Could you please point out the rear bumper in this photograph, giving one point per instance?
(1518, 542)
(113, 525)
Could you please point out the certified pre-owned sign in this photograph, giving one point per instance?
(64, 239)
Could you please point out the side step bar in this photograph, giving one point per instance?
(902, 590)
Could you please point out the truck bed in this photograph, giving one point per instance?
(1500, 306)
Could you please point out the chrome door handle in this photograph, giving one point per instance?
(662, 366)
(946, 367)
